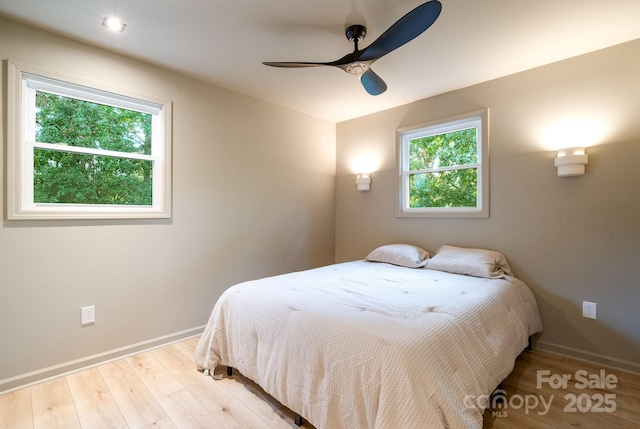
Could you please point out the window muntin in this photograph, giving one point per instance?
(80, 150)
(443, 169)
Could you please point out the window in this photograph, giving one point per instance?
(443, 168)
(82, 150)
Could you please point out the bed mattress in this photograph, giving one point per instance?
(373, 345)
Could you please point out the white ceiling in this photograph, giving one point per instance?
(225, 41)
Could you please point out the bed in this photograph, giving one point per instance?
(398, 340)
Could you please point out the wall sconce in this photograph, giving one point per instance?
(363, 182)
(571, 161)
(114, 24)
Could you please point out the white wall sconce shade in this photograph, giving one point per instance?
(363, 182)
(114, 24)
(571, 161)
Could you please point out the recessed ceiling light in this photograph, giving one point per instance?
(113, 24)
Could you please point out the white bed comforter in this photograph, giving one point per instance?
(372, 345)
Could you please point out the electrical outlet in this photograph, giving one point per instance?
(589, 309)
(88, 315)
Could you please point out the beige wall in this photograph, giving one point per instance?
(253, 195)
(570, 239)
(248, 203)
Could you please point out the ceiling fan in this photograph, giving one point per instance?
(359, 62)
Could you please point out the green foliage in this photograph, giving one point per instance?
(65, 177)
(443, 188)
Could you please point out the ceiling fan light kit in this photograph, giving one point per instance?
(359, 61)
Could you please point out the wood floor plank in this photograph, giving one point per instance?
(523, 383)
(268, 409)
(53, 406)
(174, 360)
(188, 348)
(136, 403)
(502, 420)
(186, 412)
(228, 410)
(94, 403)
(154, 375)
(16, 411)
(162, 389)
(165, 423)
(193, 342)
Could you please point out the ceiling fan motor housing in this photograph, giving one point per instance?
(357, 68)
(356, 33)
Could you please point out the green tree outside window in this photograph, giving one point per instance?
(438, 178)
(66, 177)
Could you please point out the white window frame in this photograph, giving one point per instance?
(23, 81)
(478, 120)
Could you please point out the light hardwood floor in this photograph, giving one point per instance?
(161, 389)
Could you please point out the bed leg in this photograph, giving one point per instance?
(298, 419)
(500, 396)
(229, 371)
(530, 345)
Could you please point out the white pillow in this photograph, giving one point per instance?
(404, 255)
(471, 262)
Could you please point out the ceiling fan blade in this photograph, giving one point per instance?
(294, 65)
(373, 83)
(404, 30)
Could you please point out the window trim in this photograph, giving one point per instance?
(440, 126)
(20, 204)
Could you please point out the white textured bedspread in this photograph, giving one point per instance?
(372, 345)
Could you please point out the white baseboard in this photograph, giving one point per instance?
(590, 357)
(38, 376)
(35, 377)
